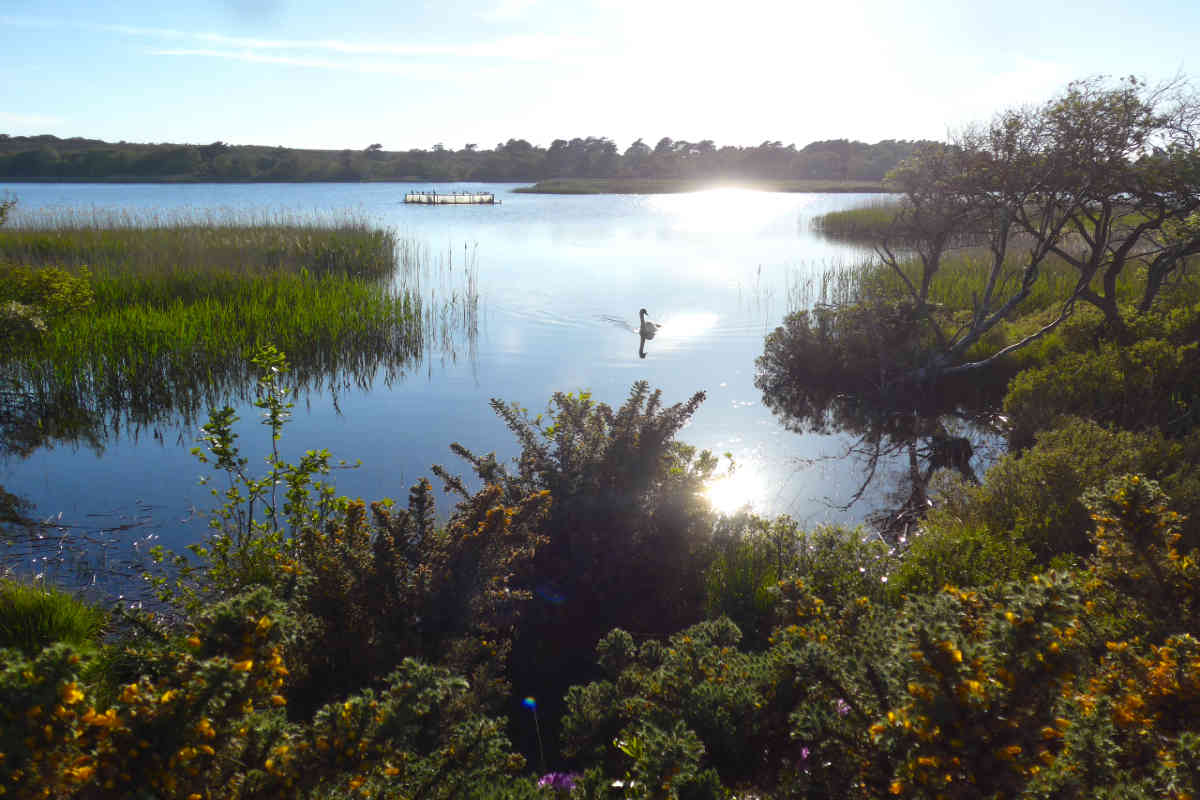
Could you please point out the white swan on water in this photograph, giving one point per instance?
(647, 328)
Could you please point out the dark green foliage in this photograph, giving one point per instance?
(34, 617)
(1152, 383)
(955, 554)
(751, 556)
(48, 157)
(821, 366)
(370, 591)
(627, 538)
(664, 705)
(1034, 499)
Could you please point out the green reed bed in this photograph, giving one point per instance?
(173, 344)
(181, 305)
(869, 223)
(148, 244)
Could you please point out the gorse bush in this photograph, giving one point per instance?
(627, 537)
(205, 717)
(1056, 685)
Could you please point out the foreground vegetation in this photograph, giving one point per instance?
(1035, 633)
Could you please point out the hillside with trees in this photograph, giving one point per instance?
(77, 159)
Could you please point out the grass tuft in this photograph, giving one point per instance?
(34, 617)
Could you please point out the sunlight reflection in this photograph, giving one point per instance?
(687, 324)
(730, 209)
(731, 492)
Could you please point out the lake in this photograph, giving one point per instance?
(560, 282)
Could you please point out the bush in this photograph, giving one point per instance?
(960, 555)
(626, 541)
(1154, 383)
(1034, 499)
(205, 717)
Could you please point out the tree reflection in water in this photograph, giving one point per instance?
(903, 436)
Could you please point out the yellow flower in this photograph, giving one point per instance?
(82, 773)
(278, 700)
(244, 666)
(193, 641)
(168, 695)
(130, 693)
(71, 694)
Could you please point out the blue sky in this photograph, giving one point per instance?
(412, 74)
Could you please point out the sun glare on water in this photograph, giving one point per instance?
(729, 209)
(730, 493)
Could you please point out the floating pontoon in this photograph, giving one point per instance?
(454, 198)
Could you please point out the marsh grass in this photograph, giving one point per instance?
(868, 223)
(226, 242)
(32, 617)
(179, 309)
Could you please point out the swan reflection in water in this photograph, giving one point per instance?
(646, 330)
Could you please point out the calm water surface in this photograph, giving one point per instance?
(561, 279)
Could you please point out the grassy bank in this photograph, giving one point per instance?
(677, 185)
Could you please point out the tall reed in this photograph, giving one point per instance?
(165, 340)
(868, 223)
(243, 242)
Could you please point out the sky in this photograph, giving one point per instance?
(410, 74)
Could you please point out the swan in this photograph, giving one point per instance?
(647, 328)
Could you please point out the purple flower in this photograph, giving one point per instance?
(842, 707)
(558, 781)
(804, 753)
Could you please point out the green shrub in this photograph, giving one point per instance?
(34, 617)
(627, 538)
(1034, 499)
(1153, 383)
(958, 556)
(206, 717)
(372, 589)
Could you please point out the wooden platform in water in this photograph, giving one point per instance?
(453, 198)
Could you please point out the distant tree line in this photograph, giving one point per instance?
(52, 158)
